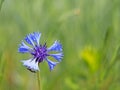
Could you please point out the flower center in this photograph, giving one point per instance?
(40, 52)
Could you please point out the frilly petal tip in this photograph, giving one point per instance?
(30, 65)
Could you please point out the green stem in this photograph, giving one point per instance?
(38, 78)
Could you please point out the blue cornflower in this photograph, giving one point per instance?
(39, 52)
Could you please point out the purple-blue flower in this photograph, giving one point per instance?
(39, 52)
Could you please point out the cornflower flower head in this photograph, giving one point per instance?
(39, 52)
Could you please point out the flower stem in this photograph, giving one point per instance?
(38, 78)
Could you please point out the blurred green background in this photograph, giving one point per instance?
(89, 31)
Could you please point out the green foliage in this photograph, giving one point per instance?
(88, 30)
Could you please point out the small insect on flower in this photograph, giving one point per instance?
(39, 52)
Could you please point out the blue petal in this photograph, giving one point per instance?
(57, 56)
(55, 47)
(51, 64)
(36, 37)
(29, 40)
(23, 48)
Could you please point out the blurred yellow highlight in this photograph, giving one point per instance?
(91, 57)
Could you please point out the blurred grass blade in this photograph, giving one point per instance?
(1, 3)
(108, 37)
(116, 56)
(114, 59)
(108, 42)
